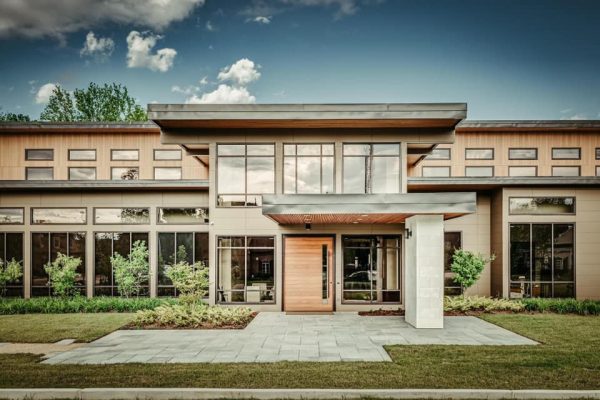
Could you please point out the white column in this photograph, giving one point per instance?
(424, 273)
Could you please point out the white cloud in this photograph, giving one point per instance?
(204, 80)
(209, 26)
(224, 94)
(261, 19)
(44, 92)
(100, 48)
(342, 8)
(242, 72)
(56, 18)
(185, 90)
(139, 52)
(578, 117)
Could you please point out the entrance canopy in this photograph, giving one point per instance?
(364, 208)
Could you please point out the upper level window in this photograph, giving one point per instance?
(59, 216)
(164, 155)
(308, 168)
(82, 155)
(124, 155)
(39, 173)
(39, 154)
(598, 171)
(565, 171)
(372, 168)
(182, 215)
(439, 154)
(522, 154)
(127, 216)
(542, 205)
(522, 171)
(597, 153)
(167, 173)
(436, 172)
(566, 153)
(479, 154)
(124, 173)
(479, 172)
(10, 216)
(244, 172)
(82, 174)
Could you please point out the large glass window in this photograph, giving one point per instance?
(45, 247)
(522, 154)
(372, 168)
(124, 173)
(59, 216)
(308, 168)
(174, 247)
(542, 260)
(12, 216)
(39, 154)
(11, 247)
(246, 269)
(452, 242)
(566, 153)
(479, 154)
(182, 215)
(39, 173)
(82, 173)
(371, 269)
(105, 246)
(244, 173)
(541, 205)
(125, 216)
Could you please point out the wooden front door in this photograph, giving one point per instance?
(308, 274)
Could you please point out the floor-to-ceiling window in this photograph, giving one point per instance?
(106, 244)
(308, 168)
(11, 247)
(45, 247)
(452, 242)
(542, 260)
(174, 247)
(246, 269)
(371, 269)
(371, 168)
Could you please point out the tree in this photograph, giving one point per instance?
(62, 274)
(190, 281)
(133, 272)
(9, 273)
(12, 117)
(467, 267)
(107, 103)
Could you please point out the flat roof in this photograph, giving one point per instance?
(528, 125)
(383, 115)
(77, 127)
(138, 185)
(466, 183)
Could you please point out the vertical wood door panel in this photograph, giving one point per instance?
(303, 268)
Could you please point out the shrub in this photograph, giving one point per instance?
(9, 273)
(131, 272)
(62, 274)
(467, 267)
(190, 281)
(477, 303)
(79, 304)
(563, 306)
(194, 316)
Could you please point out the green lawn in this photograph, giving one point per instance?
(568, 359)
(50, 328)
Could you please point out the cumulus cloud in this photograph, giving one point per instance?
(242, 72)
(139, 52)
(343, 8)
(261, 19)
(56, 18)
(99, 48)
(187, 90)
(44, 92)
(224, 94)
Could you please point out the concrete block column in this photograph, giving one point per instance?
(424, 271)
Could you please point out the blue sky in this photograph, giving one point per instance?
(509, 59)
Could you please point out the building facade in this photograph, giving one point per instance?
(309, 207)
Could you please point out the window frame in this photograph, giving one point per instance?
(13, 223)
(112, 155)
(181, 223)
(565, 166)
(566, 148)
(169, 159)
(32, 222)
(167, 179)
(523, 166)
(480, 166)
(87, 159)
(27, 169)
(448, 167)
(369, 190)
(122, 223)
(480, 148)
(44, 159)
(81, 180)
(295, 156)
(523, 158)
(535, 214)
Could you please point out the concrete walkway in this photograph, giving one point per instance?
(273, 337)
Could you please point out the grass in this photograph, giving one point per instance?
(568, 359)
(50, 328)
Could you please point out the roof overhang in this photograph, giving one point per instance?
(104, 185)
(77, 127)
(364, 208)
(310, 116)
(464, 183)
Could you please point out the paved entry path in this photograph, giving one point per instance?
(272, 337)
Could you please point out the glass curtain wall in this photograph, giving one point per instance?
(372, 168)
(11, 247)
(308, 168)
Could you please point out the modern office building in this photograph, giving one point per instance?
(309, 207)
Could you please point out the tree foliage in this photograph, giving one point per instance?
(12, 117)
(107, 103)
(133, 271)
(10, 272)
(62, 275)
(467, 267)
(190, 281)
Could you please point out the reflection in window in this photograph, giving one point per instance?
(479, 154)
(82, 174)
(124, 155)
(436, 172)
(39, 154)
(77, 216)
(372, 168)
(542, 205)
(244, 173)
(124, 173)
(566, 153)
(121, 216)
(39, 173)
(565, 171)
(181, 215)
(542, 260)
(45, 247)
(371, 269)
(439, 154)
(522, 171)
(11, 247)
(452, 242)
(479, 172)
(246, 269)
(106, 244)
(308, 168)
(12, 216)
(167, 173)
(164, 155)
(82, 155)
(174, 247)
(522, 154)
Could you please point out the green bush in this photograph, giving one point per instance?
(563, 306)
(477, 303)
(56, 305)
(62, 274)
(194, 316)
(467, 267)
(191, 281)
(9, 273)
(133, 272)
